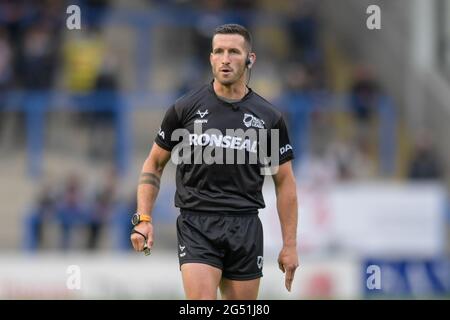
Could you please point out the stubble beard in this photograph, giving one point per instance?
(230, 81)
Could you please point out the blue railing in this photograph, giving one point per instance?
(36, 104)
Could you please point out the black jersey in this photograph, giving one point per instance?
(221, 186)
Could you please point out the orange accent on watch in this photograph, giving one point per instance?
(144, 217)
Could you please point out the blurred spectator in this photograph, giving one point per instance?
(102, 122)
(364, 94)
(97, 4)
(37, 60)
(6, 79)
(425, 164)
(297, 78)
(50, 14)
(94, 12)
(364, 97)
(103, 207)
(205, 25)
(302, 27)
(91, 69)
(6, 54)
(241, 4)
(212, 16)
(352, 161)
(83, 57)
(296, 102)
(15, 14)
(41, 214)
(71, 211)
(77, 218)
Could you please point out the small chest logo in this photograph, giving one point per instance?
(252, 121)
(202, 114)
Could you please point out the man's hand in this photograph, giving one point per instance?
(138, 241)
(288, 263)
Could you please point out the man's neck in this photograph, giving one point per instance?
(236, 91)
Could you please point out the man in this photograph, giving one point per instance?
(219, 233)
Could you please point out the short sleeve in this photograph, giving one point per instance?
(286, 152)
(169, 124)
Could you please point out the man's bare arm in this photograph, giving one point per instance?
(150, 178)
(147, 191)
(287, 207)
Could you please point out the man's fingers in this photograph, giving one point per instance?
(290, 272)
(138, 242)
(288, 283)
(133, 242)
(150, 242)
(281, 266)
(141, 242)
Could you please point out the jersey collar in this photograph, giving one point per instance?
(211, 89)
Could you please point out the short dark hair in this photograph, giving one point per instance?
(233, 28)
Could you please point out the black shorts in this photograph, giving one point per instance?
(230, 242)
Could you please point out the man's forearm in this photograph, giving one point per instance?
(148, 187)
(287, 212)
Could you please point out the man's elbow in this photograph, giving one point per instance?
(291, 198)
(153, 165)
(287, 190)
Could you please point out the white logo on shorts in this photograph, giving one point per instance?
(260, 261)
(182, 254)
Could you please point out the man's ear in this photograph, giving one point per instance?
(252, 58)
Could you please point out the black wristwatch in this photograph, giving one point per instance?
(138, 218)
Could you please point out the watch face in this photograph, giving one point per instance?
(135, 219)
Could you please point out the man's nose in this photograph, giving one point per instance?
(226, 59)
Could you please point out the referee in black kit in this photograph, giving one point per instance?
(220, 236)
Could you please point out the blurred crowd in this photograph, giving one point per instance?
(36, 53)
(31, 38)
(63, 211)
(36, 56)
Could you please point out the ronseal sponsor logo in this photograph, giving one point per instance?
(226, 141)
(234, 146)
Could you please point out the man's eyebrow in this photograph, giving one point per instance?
(229, 49)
